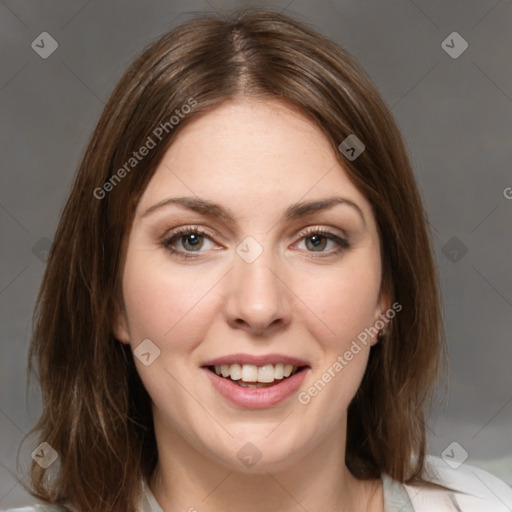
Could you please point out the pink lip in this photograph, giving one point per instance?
(256, 360)
(254, 398)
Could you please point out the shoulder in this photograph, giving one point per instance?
(470, 489)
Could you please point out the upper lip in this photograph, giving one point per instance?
(260, 360)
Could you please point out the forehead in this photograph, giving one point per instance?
(251, 153)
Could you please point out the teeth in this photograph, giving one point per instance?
(235, 371)
(266, 373)
(253, 373)
(249, 373)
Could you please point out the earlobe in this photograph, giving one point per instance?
(120, 326)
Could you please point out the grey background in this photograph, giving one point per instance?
(455, 115)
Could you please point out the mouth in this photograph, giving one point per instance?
(252, 376)
(251, 386)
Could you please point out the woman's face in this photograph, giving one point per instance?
(256, 289)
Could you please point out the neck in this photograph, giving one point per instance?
(188, 479)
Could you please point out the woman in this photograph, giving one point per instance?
(240, 309)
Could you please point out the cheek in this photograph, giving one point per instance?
(165, 306)
(344, 301)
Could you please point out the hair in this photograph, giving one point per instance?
(96, 412)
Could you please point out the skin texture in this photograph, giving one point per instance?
(254, 158)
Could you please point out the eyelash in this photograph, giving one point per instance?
(195, 230)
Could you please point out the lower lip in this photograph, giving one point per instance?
(256, 398)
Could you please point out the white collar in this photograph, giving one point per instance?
(148, 501)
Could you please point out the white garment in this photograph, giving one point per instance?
(472, 490)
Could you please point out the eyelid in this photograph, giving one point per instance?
(186, 230)
(324, 230)
(192, 228)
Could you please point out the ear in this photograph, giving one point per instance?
(381, 320)
(120, 325)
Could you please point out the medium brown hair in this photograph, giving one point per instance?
(96, 412)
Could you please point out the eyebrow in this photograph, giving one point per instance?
(293, 212)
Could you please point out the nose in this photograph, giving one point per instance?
(258, 299)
